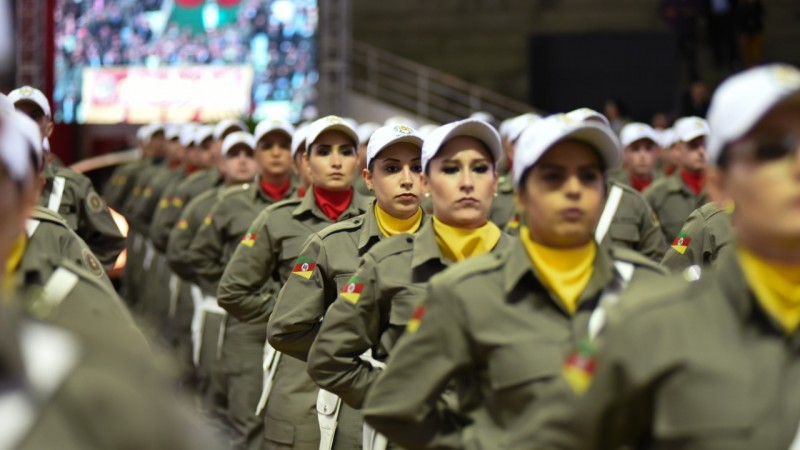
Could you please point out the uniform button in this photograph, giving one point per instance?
(409, 240)
(358, 222)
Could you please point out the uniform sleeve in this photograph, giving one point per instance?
(243, 288)
(205, 253)
(301, 304)
(180, 240)
(651, 243)
(167, 213)
(405, 403)
(697, 249)
(97, 227)
(350, 328)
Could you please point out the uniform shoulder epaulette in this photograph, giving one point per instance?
(42, 213)
(476, 266)
(626, 188)
(710, 210)
(234, 190)
(621, 253)
(76, 177)
(351, 224)
(395, 245)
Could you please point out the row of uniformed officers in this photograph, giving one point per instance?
(312, 314)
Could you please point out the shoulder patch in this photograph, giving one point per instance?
(91, 263)
(177, 202)
(249, 238)
(352, 290)
(304, 267)
(95, 203)
(183, 224)
(681, 243)
(416, 319)
(207, 220)
(579, 368)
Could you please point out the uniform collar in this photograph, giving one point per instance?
(425, 246)
(370, 233)
(259, 193)
(308, 205)
(519, 272)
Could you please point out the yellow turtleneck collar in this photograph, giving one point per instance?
(458, 244)
(566, 272)
(390, 225)
(776, 286)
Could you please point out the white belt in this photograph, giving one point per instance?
(174, 292)
(373, 440)
(612, 203)
(137, 241)
(328, 407)
(203, 305)
(149, 254)
(54, 202)
(271, 360)
(609, 297)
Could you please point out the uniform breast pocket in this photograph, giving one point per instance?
(704, 409)
(625, 233)
(404, 304)
(290, 250)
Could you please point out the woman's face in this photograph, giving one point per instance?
(462, 182)
(395, 178)
(563, 195)
(763, 181)
(332, 160)
(274, 154)
(239, 164)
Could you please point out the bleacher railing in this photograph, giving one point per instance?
(425, 91)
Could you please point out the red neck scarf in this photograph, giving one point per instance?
(695, 181)
(190, 169)
(275, 192)
(640, 184)
(174, 164)
(670, 171)
(301, 191)
(332, 203)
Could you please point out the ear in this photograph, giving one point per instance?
(423, 183)
(49, 129)
(367, 175)
(519, 200)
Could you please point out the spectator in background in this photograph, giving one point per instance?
(616, 113)
(681, 16)
(695, 100)
(751, 32)
(721, 18)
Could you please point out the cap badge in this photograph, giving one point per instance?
(403, 129)
(26, 91)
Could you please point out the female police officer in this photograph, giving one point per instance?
(374, 307)
(392, 172)
(710, 363)
(502, 324)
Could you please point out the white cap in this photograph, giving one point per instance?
(743, 99)
(29, 131)
(202, 133)
(484, 116)
(386, 136)
(584, 114)
(151, 129)
(30, 94)
(400, 120)
(329, 123)
(635, 131)
(186, 136)
(11, 141)
(518, 125)
(236, 138)
(688, 128)
(172, 131)
(299, 138)
(6, 105)
(537, 139)
(477, 129)
(365, 131)
(667, 138)
(268, 126)
(350, 121)
(225, 124)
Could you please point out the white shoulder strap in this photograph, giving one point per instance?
(30, 227)
(623, 272)
(59, 286)
(612, 203)
(56, 194)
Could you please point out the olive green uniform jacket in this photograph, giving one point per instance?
(392, 279)
(493, 330)
(264, 260)
(72, 196)
(682, 364)
(707, 234)
(673, 201)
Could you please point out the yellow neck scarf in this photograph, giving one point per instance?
(17, 251)
(458, 244)
(566, 272)
(390, 225)
(777, 288)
